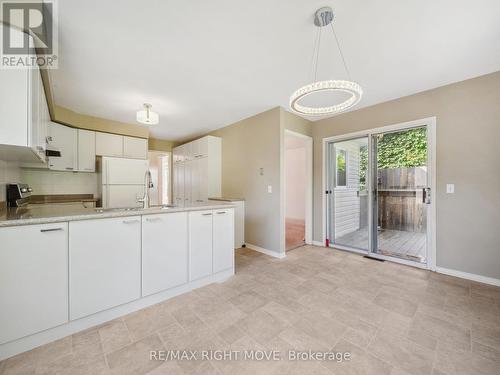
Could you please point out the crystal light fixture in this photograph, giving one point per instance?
(324, 17)
(147, 116)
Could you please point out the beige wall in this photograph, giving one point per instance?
(297, 124)
(468, 155)
(155, 144)
(77, 120)
(247, 146)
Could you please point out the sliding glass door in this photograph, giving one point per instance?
(378, 193)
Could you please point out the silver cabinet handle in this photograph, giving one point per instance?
(221, 212)
(207, 214)
(69, 169)
(130, 221)
(153, 219)
(50, 230)
(199, 200)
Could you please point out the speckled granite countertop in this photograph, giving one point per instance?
(57, 213)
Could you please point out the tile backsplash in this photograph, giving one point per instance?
(45, 182)
(9, 172)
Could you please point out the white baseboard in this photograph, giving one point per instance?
(469, 276)
(318, 243)
(265, 251)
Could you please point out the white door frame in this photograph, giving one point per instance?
(309, 189)
(430, 123)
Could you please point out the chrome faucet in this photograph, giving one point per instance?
(148, 184)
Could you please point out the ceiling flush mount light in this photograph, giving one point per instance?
(323, 18)
(147, 116)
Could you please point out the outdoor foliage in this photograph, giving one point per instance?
(404, 149)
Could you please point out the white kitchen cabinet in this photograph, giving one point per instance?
(65, 139)
(164, 251)
(223, 239)
(200, 244)
(104, 264)
(22, 131)
(33, 279)
(108, 144)
(202, 172)
(86, 150)
(136, 148)
(178, 184)
(188, 180)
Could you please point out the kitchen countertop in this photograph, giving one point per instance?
(53, 214)
(224, 199)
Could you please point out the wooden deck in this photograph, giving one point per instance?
(406, 245)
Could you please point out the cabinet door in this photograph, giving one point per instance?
(104, 264)
(164, 251)
(202, 178)
(33, 279)
(43, 125)
(188, 178)
(179, 184)
(223, 239)
(65, 139)
(108, 144)
(34, 93)
(136, 148)
(86, 150)
(203, 147)
(14, 101)
(200, 244)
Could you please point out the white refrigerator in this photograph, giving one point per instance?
(122, 181)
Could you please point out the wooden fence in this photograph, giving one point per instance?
(400, 199)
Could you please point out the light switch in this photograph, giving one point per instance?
(269, 189)
(450, 188)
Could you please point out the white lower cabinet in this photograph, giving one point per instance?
(223, 239)
(33, 279)
(104, 264)
(164, 251)
(200, 244)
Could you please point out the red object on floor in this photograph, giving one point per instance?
(327, 242)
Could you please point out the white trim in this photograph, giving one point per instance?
(265, 251)
(23, 344)
(468, 276)
(309, 187)
(318, 243)
(430, 123)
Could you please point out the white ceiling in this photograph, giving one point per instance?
(206, 64)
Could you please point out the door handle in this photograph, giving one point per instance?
(50, 230)
(130, 221)
(426, 195)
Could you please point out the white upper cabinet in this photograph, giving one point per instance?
(86, 150)
(22, 127)
(108, 144)
(136, 148)
(65, 139)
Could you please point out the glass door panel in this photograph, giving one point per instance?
(349, 203)
(401, 194)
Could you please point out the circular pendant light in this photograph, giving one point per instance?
(147, 116)
(324, 17)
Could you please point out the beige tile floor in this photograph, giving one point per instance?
(391, 318)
